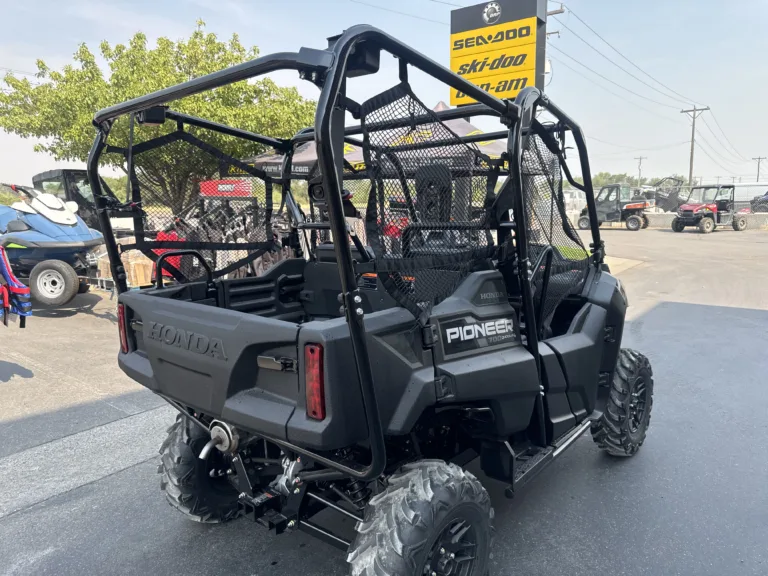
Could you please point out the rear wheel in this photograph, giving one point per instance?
(623, 426)
(739, 223)
(706, 225)
(53, 283)
(677, 225)
(187, 481)
(634, 223)
(434, 518)
(583, 223)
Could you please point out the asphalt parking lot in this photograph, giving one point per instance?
(79, 493)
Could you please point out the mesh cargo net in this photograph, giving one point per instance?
(425, 215)
(548, 225)
(209, 202)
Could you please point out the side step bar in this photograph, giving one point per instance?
(527, 469)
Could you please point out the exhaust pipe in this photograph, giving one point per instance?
(223, 437)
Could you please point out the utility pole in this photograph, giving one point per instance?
(759, 159)
(718, 180)
(733, 179)
(694, 113)
(640, 168)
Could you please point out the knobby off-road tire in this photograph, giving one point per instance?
(677, 226)
(412, 524)
(622, 428)
(185, 478)
(646, 222)
(739, 223)
(634, 223)
(706, 225)
(584, 223)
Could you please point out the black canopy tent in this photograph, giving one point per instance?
(305, 156)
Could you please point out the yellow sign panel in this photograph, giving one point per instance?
(506, 85)
(500, 57)
(507, 35)
(495, 62)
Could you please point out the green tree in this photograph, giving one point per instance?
(58, 110)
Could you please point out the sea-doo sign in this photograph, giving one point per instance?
(499, 46)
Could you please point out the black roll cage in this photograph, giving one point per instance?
(330, 69)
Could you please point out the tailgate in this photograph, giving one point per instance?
(206, 357)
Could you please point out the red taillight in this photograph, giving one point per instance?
(313, 371)
(121, 325)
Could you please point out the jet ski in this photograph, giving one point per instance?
(46, 243)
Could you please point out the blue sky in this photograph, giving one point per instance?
(712, 51)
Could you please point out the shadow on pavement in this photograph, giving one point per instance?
(81, 304)
(10, 369)
(29, 431)
(691, 502)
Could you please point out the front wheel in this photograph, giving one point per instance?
(677, 225)
(739, 223)
(646, 223)
(634, 223)
(53, 283)
(706, 225)
(433, 518)
(623, 426)
(583, 223)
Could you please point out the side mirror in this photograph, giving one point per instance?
(71, 206)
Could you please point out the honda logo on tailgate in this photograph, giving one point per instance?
(192, 341)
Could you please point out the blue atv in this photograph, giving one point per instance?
(47, 244)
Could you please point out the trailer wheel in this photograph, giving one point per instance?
(739, 223)
(706, 225)
(583, 223)
(622, 428)
(53, 283)
(634, 223)
(677, 225)
(186, 479)
(433, 518)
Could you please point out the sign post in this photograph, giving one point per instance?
(499, 46)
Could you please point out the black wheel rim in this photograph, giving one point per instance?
(453, 553)
(637, 405)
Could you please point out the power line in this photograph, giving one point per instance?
(633, 150)
(608, 79)
(399, 12)
(13, 71)
(612, 47)
(726, 137)
(447, 3)
(564, 25)
(619, 96)
(719, 140)
(714, 151)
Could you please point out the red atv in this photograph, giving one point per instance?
(708, 207)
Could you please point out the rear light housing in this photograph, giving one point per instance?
(315, 381)
(122, 326)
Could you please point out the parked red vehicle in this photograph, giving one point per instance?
(708, 207)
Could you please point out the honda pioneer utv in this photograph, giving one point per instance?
(449, 322)
(708, 207)
(619, 203)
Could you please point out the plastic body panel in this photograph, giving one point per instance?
(605, 291)
(485, 360)
(580, 353)
(403, 380)
(559, 416)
